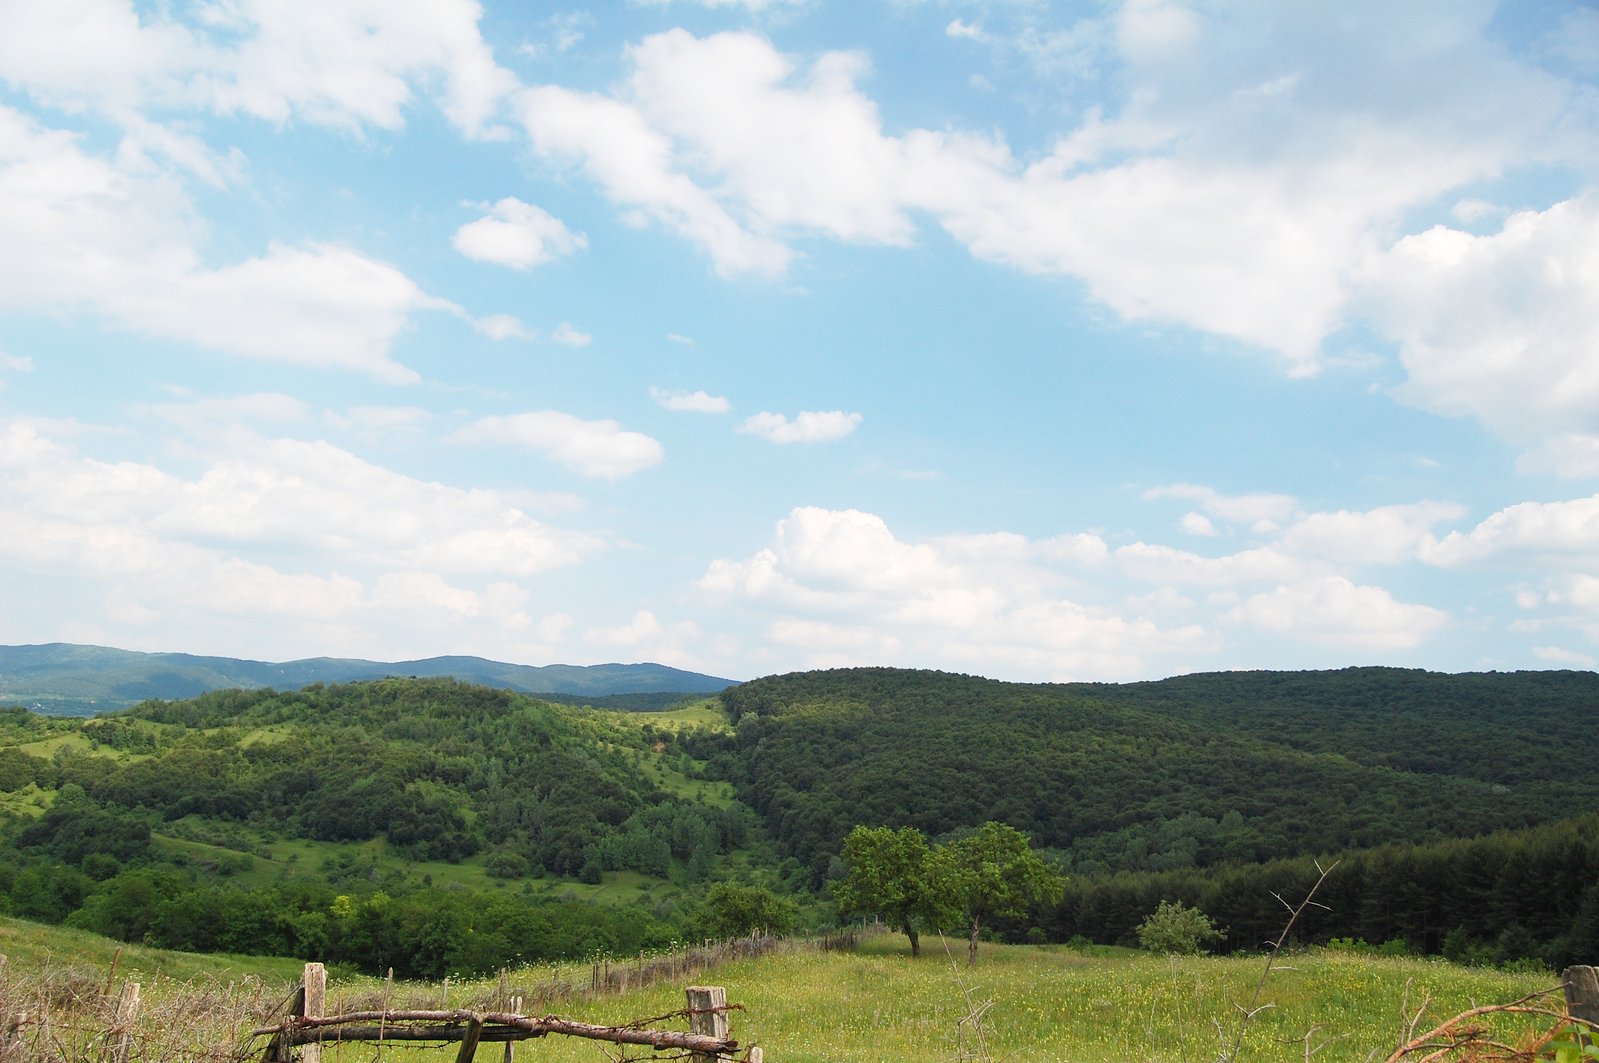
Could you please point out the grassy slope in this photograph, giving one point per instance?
(1049, 1003)
(33, 951)
(1053, 1004)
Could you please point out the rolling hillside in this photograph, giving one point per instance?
(1156, 776)
(68, 679)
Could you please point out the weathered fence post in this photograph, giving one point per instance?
(127, 1011)
(516, 1009)
(315, 1004)
(707, 1014)
(469, 1040)
(1582, 997)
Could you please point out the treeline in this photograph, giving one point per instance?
(1522, 895)
(427, 933)
(1186, 773)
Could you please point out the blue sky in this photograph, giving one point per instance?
(1042, 341)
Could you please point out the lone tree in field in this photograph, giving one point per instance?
(1173, 929)
(895, 874)
(995, 872)
(732, 910)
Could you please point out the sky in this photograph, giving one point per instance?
(1104, 340)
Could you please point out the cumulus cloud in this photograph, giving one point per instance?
(85, 234)
(305, 533)
(517, 234)
(1385, 535)
(600, 449)
(806, 427)
(1500, 327)
(843, 588)
(1569, 528)
(1335, 610)
(691, 402)
(342, 63)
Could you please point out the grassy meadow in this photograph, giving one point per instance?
(1037, 1003)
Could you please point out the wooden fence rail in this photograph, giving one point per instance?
(308, 1029)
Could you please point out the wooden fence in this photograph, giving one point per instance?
(307, 1028)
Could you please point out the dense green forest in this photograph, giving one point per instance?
(1189, 772)
(439, 827)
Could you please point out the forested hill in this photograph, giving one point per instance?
(1183, 772)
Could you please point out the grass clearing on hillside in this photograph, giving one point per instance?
(1050, 1004)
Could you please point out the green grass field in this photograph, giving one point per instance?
(1038, 1003)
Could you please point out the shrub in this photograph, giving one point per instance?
(1173, 928)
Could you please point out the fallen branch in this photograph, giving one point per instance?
(496, 1026)
(1448, 1037)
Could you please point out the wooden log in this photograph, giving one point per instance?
(122, 1035)
(707, 1016)
(448, 1026)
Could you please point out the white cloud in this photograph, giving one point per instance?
(233, 412)
(305, 533)
(806, 427)
(1255, 169)
(1336, 611)
(1152, 31)
(499, 327)
(1559, 657)
(1197, 524)
(748, 5)
(645, 637)
(517, 234)
(1570, 454)
(85, 235)
(1500, 327)
(342, 63)
(846, 590)
(380, 422)
(692, 402)
(634, 165)
(569, 335)
(960, 29)
(1569, 529)
(590, 448)
(1257, 510)
(1167, 565)
(1385, 535)
(13, 363)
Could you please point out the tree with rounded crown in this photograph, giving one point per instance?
(994, 872)
(895, 874)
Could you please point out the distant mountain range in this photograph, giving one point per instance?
(72, 680)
